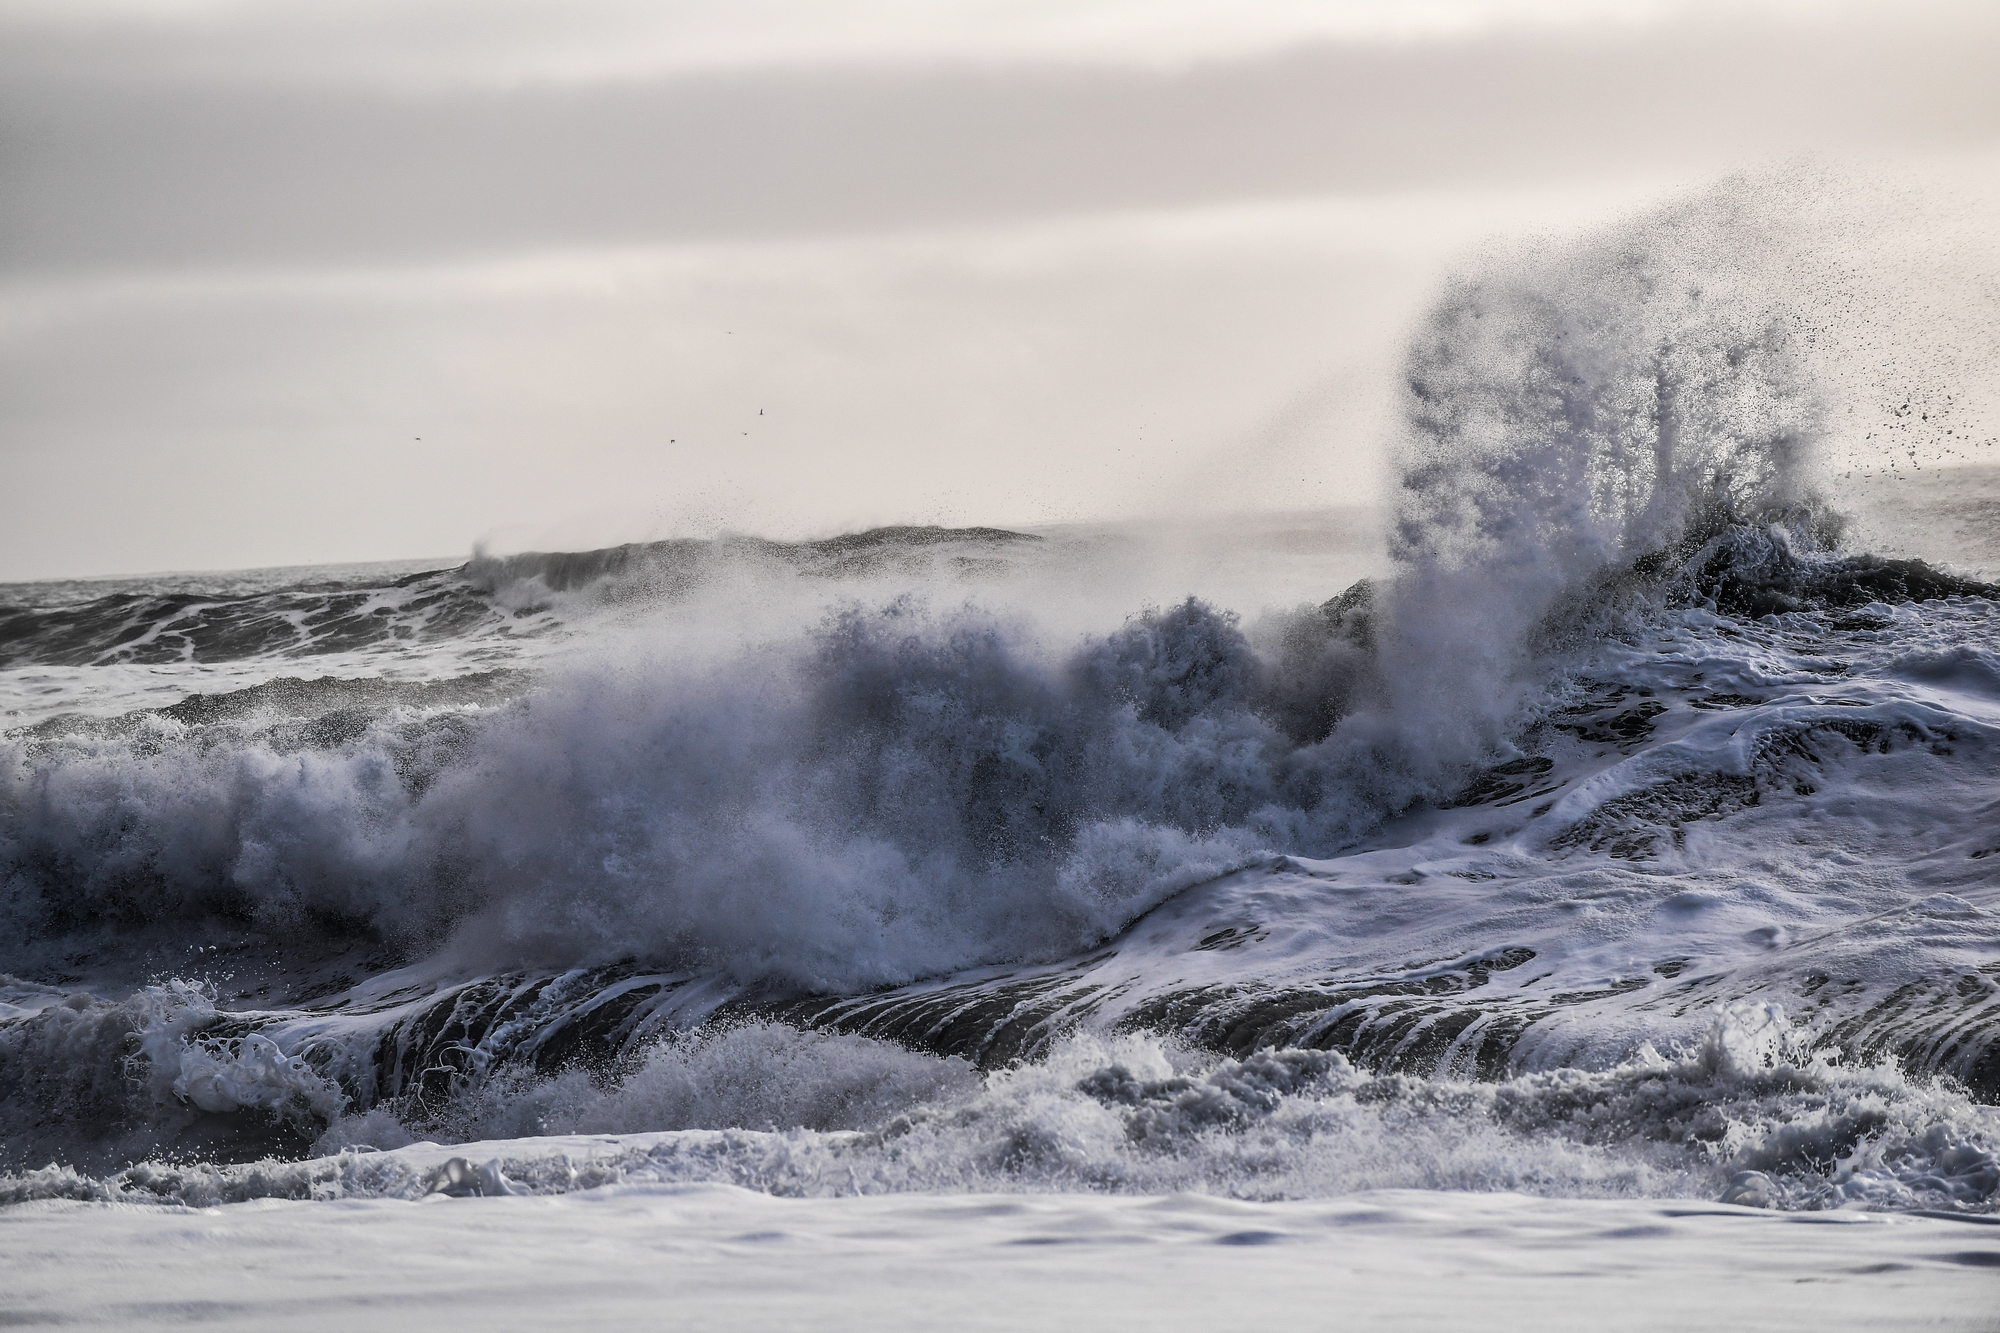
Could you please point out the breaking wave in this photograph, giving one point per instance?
(1742, 1117)
(882, 822)
(907, 791)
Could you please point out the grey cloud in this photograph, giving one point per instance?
(125, 174)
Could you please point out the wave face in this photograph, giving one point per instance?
(1620, 832)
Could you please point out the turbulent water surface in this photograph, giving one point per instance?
(1592, 821)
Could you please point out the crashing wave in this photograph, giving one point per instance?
(1619, 677)
(1740, 1116)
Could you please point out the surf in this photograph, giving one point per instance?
(1614, 738)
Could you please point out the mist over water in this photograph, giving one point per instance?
(617, 793)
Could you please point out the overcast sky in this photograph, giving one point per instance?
(290, 282)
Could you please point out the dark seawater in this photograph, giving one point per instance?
(1598, 817)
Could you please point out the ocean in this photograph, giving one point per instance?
(1568, 889)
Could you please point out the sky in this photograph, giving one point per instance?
(288, 282)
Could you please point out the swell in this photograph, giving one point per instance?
(143, 628)
(678, 565)
(488, 596)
